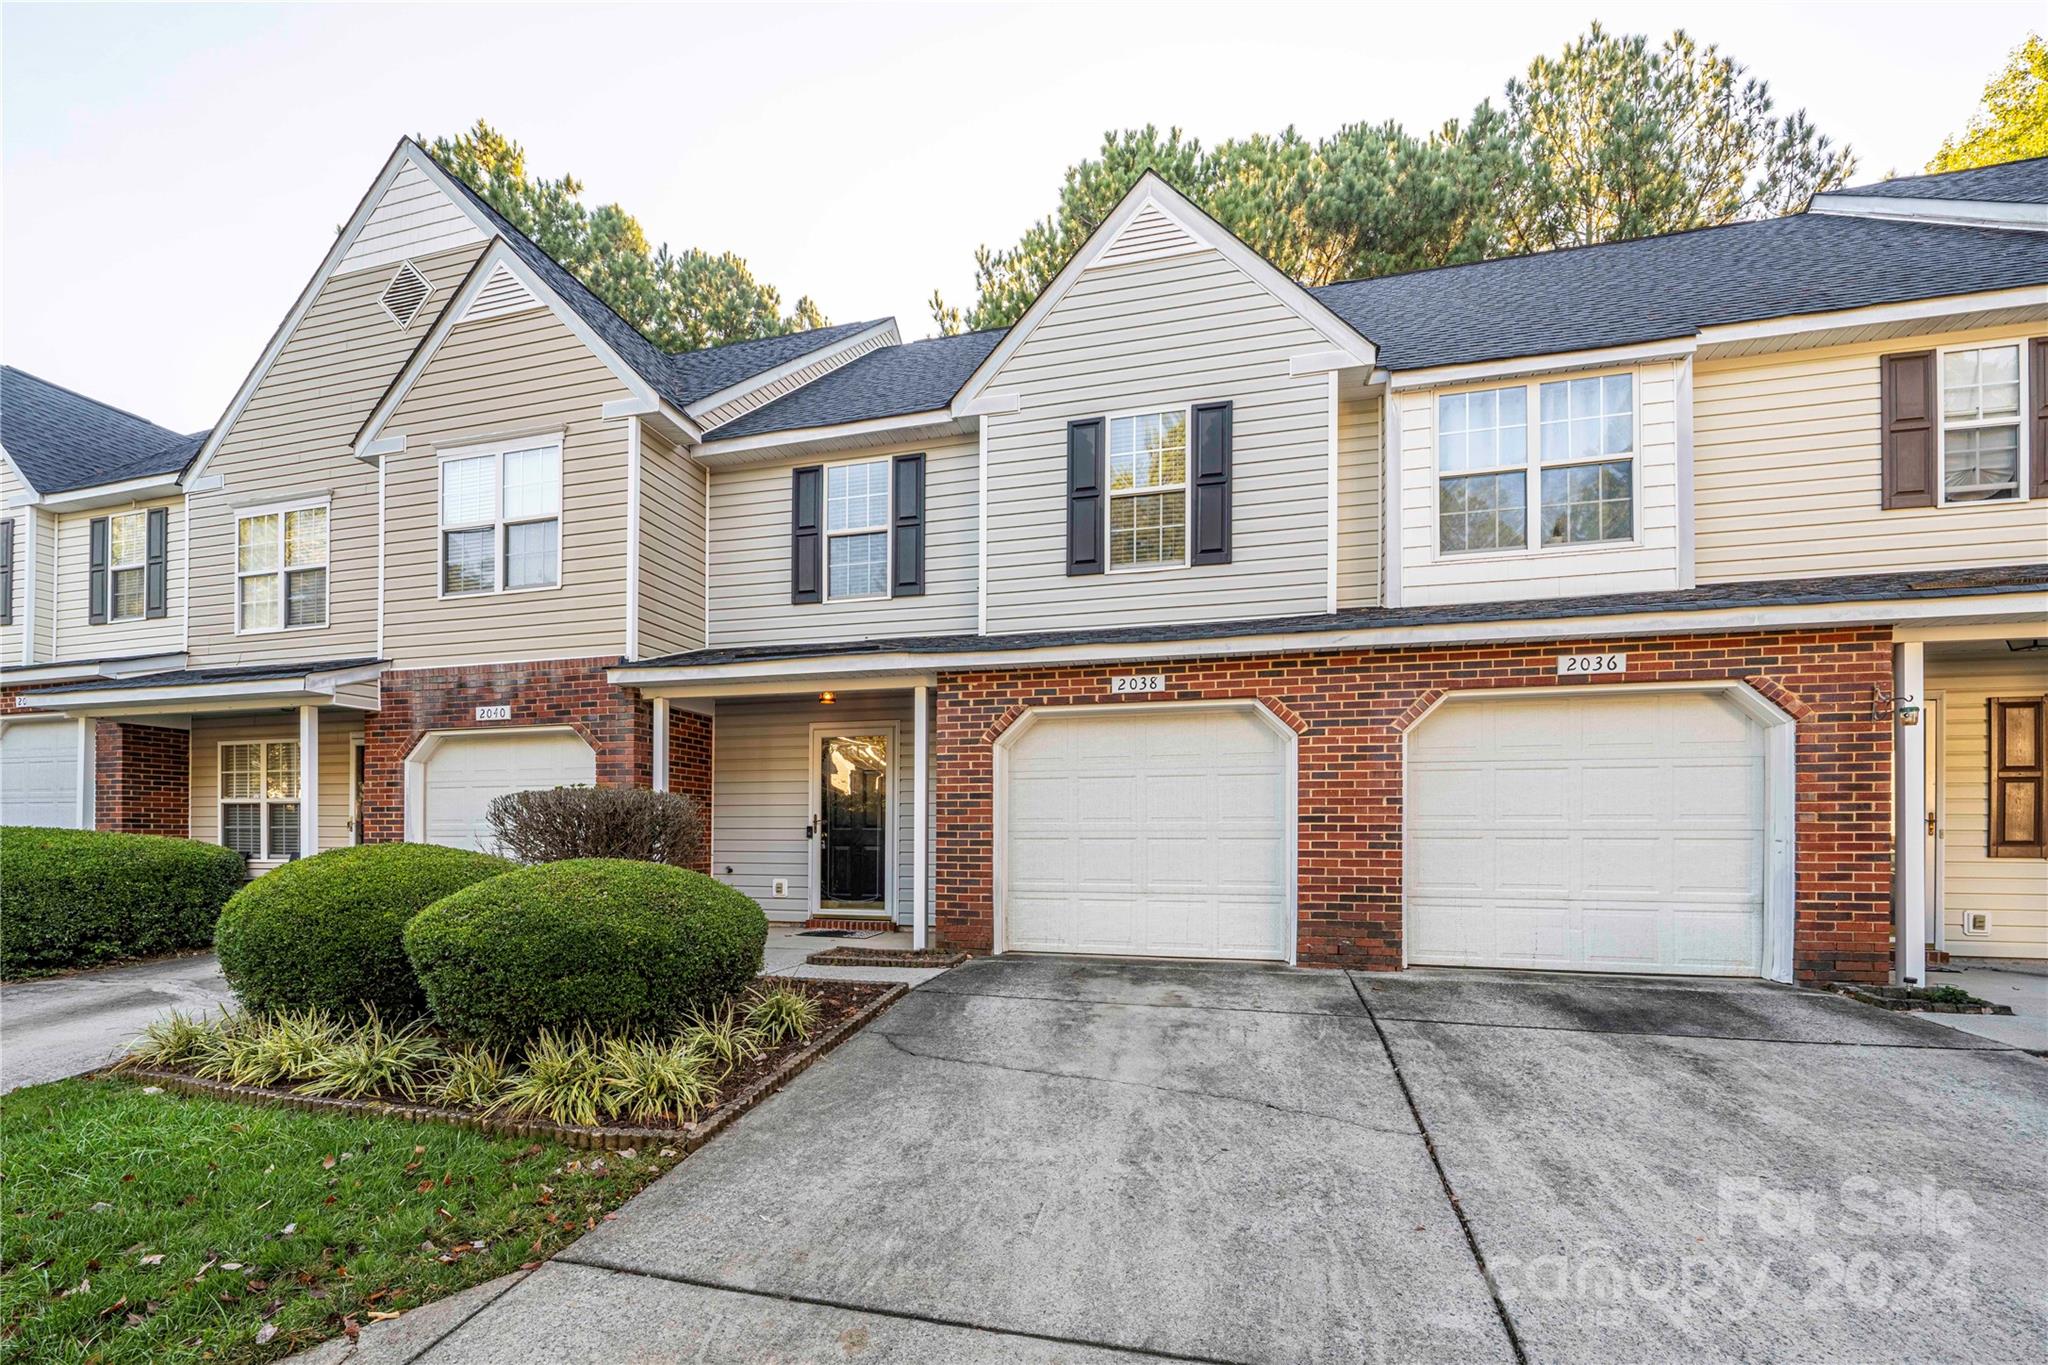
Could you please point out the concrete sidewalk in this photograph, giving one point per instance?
(2021, 985)
(61, 1026)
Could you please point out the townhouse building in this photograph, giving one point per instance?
(1670, 606)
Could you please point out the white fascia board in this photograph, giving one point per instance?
(992, 403)
(1443, 376)
(265, 694)
(28, 488)
(400, 155)
(885, 329)
(1978, 213)
(770, 444)
(827, 670)
(111, 494)
(1152, 189)
(1321, 362)
(86, 669)
(877, 682)
(1876, 315)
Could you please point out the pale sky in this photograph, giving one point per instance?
(170, 176)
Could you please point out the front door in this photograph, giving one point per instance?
(853, 823)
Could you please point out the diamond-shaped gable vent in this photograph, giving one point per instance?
(405, 295)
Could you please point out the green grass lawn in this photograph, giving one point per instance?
(160, 1227)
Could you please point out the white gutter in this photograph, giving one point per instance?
(108, 494)
(1979, 213)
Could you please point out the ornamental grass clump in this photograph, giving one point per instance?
(780, 1013)
(472, 1078)
(178, 1040)
(372, 1058)
(647, 1080)
(228, 1041)
(562, 1080)
(285, 1046)
(725, 1041)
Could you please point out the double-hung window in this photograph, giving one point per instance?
(1980, 423)
(857, 530)
(501, 518)
(1148, 489)
(259, 798)
(280, 569)
(1574, 448)
(127, 566)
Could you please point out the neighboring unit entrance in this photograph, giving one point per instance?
(1621, 832)
(850, 824)
(1156, 830)
(39, 773)
(462, 773)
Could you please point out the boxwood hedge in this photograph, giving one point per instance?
(74, 897)
(610, 944)
(327, 931)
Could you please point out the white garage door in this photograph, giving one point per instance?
(1618, 833)
(1158, 833)
(465, 772)
(39, 774)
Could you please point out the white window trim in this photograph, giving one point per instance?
(263, 803)
(114, 567)
(1185, 488)
(1534, 467)
(1941, 424)
(279, 510)
(887, 529)
(497, 450)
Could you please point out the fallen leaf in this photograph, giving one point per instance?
(529, 1265)
(352, 1327)
(288, 1229)
(102, 1207)
(152, 1090)
(265, 1333)
(327, 1162)
(423, 1187)
(128, 1177)
(116, 1306)
(419, 1150)
(382, 1317)
(156, 1258)
(236, 1128)
(256, 1286)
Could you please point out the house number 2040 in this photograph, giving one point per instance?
(494, 713)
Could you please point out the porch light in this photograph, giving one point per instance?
(826, 698)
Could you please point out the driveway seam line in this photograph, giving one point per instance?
(894, 1042)
(456, 1326)
(1996, 1046)
(1136, 1004)
(1500, 1306)
(901, 1314)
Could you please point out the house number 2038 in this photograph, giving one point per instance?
(1127, 684)
(1589, 665)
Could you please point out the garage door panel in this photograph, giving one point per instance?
(1624, 938)
(464, 773)
(1717, 867)
(1538, 793)
(39, 774)
(1536, 866)
(1624, 793)
(1622, 865)
(1457, 795)
(1451, 863)
(1729, 791)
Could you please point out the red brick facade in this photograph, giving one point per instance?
(1349, 709)
(616, 723)
(142, 779)
(690, 737)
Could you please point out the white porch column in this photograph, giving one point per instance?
(88, 757)
(309, 780)
(660, 759)
(1909, 855)
(921, 842)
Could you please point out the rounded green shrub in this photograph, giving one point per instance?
(607, 944)
(327, 932)
(73, 897)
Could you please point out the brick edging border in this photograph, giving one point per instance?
(603, 1138)
(885, 957)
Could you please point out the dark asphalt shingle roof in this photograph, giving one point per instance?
(918, 376)
(681, 378)
(1658, 288)
(62, 440)
(190, 677)
(2015, 182)
(1755, 593)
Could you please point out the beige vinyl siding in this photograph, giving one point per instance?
(1150, 336)
(1358, 502)
(762, 775)
(338, 733)
(750, 510)
(77, 637)
(413, 218)
(14, 635)
(293, 441)
(44, 645)
(1787, 473)
(671, 547)
(1648, 564)
(740, 404)
(504, 377)
(2014, 890)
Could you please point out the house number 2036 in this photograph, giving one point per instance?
(1589, 665)
(1127, 684)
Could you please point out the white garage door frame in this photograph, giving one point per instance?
(422, 752)
(1781, 733)
(1289, 816)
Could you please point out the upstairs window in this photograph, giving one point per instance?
(1980, 424)
(127, 566)
(857, 530)
(1148, 489)
(259, 799)
(280, 569)
(501, 518)
(1574, 448)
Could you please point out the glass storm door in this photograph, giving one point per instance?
(853, 821)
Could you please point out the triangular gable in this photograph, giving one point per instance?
(1155, 220)
(501, 295)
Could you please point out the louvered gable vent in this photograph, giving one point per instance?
(405, 295)
(501, 294)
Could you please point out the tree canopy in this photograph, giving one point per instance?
(682, 301)
(1610, 139)
(2012, 124)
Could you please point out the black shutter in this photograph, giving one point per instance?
(1084, 497)
(906, 548)
(2037, 429)
(96, 577)
(7, 572)
(1209, 480)
(806, 541)
(156, 578)
(1907, 408)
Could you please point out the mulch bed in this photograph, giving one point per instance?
(887, 957)
(846, 1006)
(1920, 998)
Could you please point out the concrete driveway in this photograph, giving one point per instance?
(1061, 1160)
(64, 1025)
